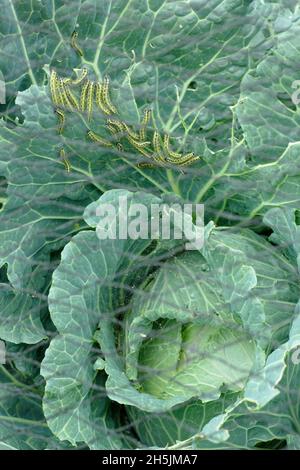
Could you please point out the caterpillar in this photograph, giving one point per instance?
(189, 158)
(144, 153)
(62, 119)
(89, 97)
(66, 80)
(145, 121)
(78, 80)
(96, 138)
(130, 132)
(145, 165)
(74, 44)
(171, 155)
(116, 128)
(121, 127)
(105, 96)
(185, 159)
(64, 95)
(54, 88)
(157, 147)
(139, 146)
(83, 95)
(112, 129)
(64, 159)
(72, 99)
(158, 150)
(99, 101)
(118, 125)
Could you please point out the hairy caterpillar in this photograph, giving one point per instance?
(66, 80)
(146, 165)
(62, 120)
(72, 99)
(157, 147)
(130, 132)
(171, 155)
(74, 44)
(89, 97)
(139, 146)
(145, 121)
(58, 94)
(99, 101)
(83, 94)
(122, 128)
(54, 88)
(112, 129)
(96, 138)
(64, 159)
(117, 125)
(185, 159)
(78, 80)
(189, 158)
(105, 96)
(64, 96)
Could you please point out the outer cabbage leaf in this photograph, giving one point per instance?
(22, 423)
(267, 110)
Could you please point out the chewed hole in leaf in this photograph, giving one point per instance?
(3, 274)
(3, 188)
(192, 85)
(286, 100)
(297, 217)
(266, 32)
(273, 444)
(151, 247)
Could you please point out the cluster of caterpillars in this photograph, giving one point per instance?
(82, 95)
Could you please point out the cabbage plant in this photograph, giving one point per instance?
(131, 343)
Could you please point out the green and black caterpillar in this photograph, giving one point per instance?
(83, 95)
